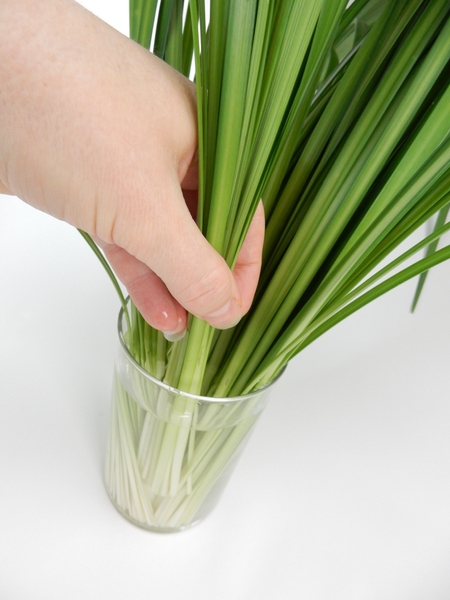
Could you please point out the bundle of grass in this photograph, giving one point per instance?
(338, 117)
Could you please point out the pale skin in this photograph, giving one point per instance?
(98, 132)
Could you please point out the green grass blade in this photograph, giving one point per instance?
(440, 221)
(163, 26)
(188, 44)
(278, 357)
(218, 28)
(173, 53)
(108, 270)
(283, 67)
(351, 96)
(142, 21)
(232, 105)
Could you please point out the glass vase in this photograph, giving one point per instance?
(170, 453)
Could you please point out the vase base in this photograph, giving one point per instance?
(152, 528)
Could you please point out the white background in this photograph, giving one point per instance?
(343, 492)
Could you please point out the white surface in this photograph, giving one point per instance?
(343, 492)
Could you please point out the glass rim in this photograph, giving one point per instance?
(174, 390)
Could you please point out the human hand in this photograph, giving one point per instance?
(98, 132)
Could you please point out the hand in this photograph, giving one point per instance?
(98, 132)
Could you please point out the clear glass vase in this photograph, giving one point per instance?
(170, 454)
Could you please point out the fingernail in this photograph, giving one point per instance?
(174, 336)
(226, 317)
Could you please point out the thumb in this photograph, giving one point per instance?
(169, 242)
